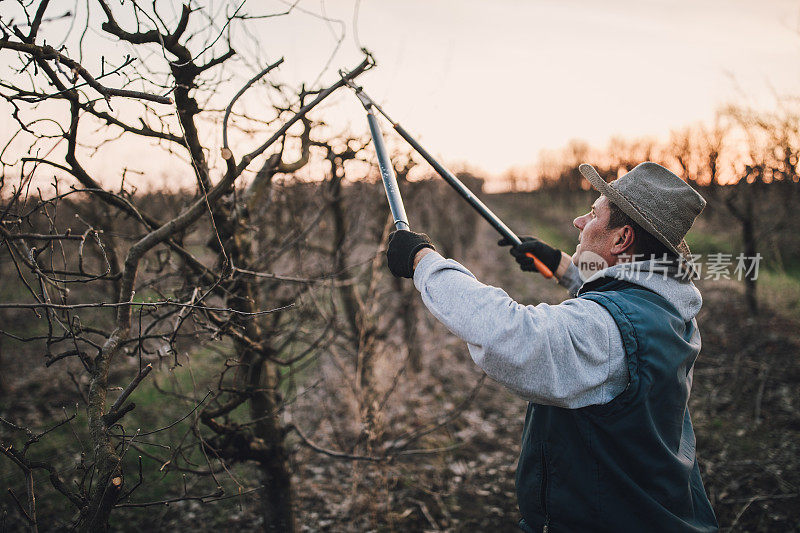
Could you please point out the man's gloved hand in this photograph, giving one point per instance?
(551, 257)
(403, 247)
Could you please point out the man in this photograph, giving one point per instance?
(608, 443)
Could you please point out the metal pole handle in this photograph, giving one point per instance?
(460, 188)
(387, 174)
(390, 182)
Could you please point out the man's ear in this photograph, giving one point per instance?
(624, 240)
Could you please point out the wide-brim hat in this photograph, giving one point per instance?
(659, 201)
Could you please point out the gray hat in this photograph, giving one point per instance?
(659, 201)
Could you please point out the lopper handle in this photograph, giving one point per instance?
(541, 267)
(393, 194)
(387, 175)
(468, 195)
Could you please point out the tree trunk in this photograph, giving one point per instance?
(276, 496)
(108, 474)
(408, 317)
(262, 380)
(750, 292)
(749, 243)
(259, 381)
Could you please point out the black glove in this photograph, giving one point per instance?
(551, 257)
(403, 247)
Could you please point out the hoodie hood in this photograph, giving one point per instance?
(662, 279)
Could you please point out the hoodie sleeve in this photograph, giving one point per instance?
(571, 280)
(568, 355)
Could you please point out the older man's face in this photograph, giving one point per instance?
(595, 239)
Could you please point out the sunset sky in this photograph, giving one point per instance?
(491, 84)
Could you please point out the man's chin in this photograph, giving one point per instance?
(576, 255)
(588, 263)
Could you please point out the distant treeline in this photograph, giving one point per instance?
(745, 163)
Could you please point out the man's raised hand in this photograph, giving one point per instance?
(402, 248)
(551, 257)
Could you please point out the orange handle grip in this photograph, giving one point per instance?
(541, 267)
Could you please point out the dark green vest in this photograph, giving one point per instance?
(628, 465)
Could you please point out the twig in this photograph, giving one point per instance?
(760, 393)
(21, 508)
(49, 53)
(280, 277)
(430, 451)
(427, 514)
(226, 150)
(30, 515)
(202, 499)
(142, 304)
(407, 438)
(131, 386)
(43, 237)
(757, 498)
(35, 438)
(179, 420)
(332, 453)
(366, 64)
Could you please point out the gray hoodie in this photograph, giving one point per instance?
(568, 355)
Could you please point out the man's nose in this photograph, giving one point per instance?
(579, 222)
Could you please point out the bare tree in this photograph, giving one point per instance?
(131, 283)
(182, 324)
(763, 192)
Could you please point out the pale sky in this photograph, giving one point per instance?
(492, 83)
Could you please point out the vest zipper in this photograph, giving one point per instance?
(543, 492)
